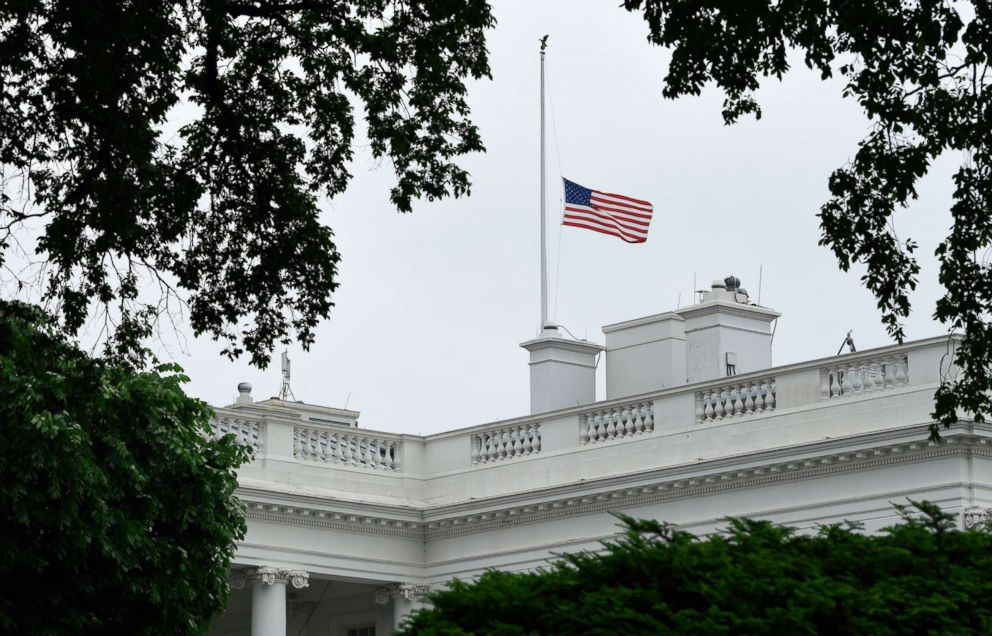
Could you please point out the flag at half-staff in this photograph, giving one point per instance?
(614, 214)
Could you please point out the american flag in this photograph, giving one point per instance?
(613, 214)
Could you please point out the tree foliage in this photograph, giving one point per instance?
(920, 71)
(920, 576)
(186, 143)
(117, 511)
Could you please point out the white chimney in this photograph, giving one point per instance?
(562, 372)
(725, 334)
(722, 335)
(645, 354)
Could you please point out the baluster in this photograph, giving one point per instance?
(738, 400)
(700, 413)
(627, 419)
(890, 373)
(297, 443)
(649, 416)
(868, 375)
(708, 412)
(770, 395)
(391, 459)
(355, 446)
(351, 448)
(857, 384)
(611, 427)
(375, 454)
(596, 433)
(845, 385)
(528, 437)
(749, 400)
(537, 439)
(362, 446)
(487, 445)
(902, 377)
(312, 444)
(879, 376)
(834, 382)
(476, 444)
(720, 411)
(639, 412)
(825, 384)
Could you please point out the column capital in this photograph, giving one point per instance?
(267, 575)
(976, 516)
(405, 591)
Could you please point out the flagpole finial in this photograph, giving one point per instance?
(544, 43)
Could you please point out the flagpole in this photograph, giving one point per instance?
(545, 325)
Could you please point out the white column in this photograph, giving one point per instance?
(406, 598)
(268, 598)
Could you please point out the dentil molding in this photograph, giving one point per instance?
(617, 498)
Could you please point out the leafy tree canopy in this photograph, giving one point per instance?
(921, 576)
(219, 206)
(920, 70)
(117, 511)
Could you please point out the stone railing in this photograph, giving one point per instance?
(844, 379)
(507, 442)
(245, 431)
(735, 400)
(365, 450)
(615, 422)
(785, 391)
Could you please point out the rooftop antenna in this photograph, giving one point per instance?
(285, 392)
(848, 342)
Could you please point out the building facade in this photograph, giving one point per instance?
(349, 527)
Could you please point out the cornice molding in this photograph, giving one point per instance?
(709, 481)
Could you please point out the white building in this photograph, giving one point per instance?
(347, 526)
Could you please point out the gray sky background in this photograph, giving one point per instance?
(433, 305)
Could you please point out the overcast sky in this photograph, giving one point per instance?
(433, 305)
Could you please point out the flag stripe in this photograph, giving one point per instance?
(643, 219)
(586, 217)
(611, 200)
(603, 231)
(622, 210)
(628, 224)
(625, 198)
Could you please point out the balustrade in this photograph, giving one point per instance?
(844, 379)
(351, 449)
(505, 443)
(245, 432)
(615, 422)
(735, 400)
